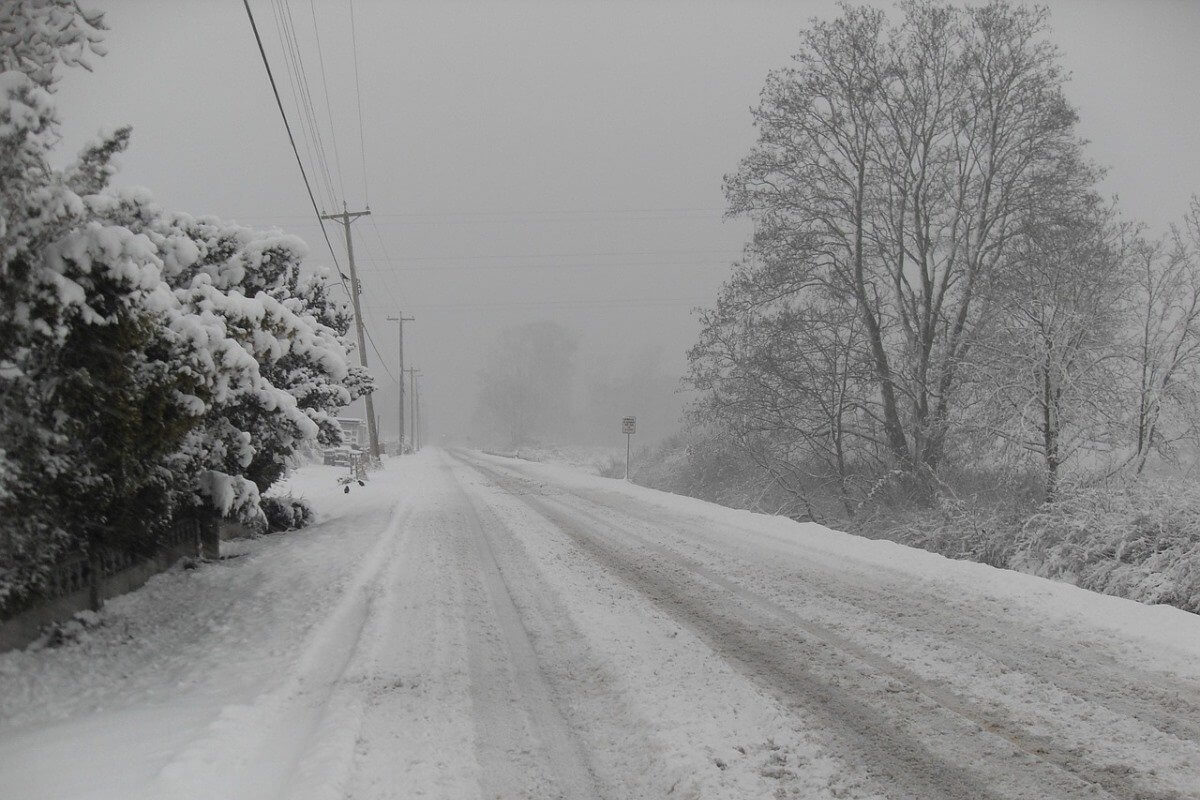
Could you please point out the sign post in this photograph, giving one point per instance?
(628, 427)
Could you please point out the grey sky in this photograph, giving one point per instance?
(550, 160)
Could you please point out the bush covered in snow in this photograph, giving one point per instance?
(610, 467)
(1138, 538)
(1141, 542)
(286, 513)
(152, 365)
(701, 463)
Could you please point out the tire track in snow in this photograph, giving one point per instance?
(559, 750)
(256, 751)
(873, 732)
(1168, 704)
(1105, 686)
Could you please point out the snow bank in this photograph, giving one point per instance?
(188, 655)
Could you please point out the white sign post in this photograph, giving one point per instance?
(628, 427)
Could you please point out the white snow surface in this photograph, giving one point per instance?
(470, 626)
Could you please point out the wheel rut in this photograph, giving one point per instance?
(520, 723)
(828, 676)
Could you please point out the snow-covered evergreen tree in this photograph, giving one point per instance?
(152, 365)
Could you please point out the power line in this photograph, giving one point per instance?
(656, 214)
(580, 254)
(382, 362)
(300, 163)
(556, 212)
(552, 266)
(362, 148)
(596, 254)
(308, 108)
(641, 302)
(389, 219)
(386, 259)
(337, 159)
(288, 59)
(384, 273)
(304, 174)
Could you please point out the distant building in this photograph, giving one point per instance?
(354, 432)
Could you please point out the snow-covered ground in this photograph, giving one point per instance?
(474, 626)
(588, 458)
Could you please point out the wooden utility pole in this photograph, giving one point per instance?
(413, 372)
(400, 408)
(346, 217)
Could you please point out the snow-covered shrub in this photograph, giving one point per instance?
(611, 467)
(286, 513)
(965, 529)
(699, 463)
(152, 365)
(1140, 542)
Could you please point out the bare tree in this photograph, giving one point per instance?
(784, 378)
(1165, 346)
(1050, 370)
(894, 169)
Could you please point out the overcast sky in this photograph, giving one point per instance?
(548, 160)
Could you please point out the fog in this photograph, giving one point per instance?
(545, 162)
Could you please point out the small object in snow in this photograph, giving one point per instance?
(346, 490)
(720, 763)
(360, 483)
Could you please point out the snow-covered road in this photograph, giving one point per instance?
(471, 626)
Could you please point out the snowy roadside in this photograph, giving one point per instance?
(1085, 689)
(1173, 635)
(167, 659)
(587, 458)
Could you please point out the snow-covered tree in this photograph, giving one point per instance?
(1164, 343)
(37, 36)
(894, 167)
(151, 364)
(93, 403)
(1048, 381)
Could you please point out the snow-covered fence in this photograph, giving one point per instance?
(79, 583)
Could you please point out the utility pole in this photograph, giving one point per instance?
(413, 372)
(401, 319)
(346, 217)
(417, 424)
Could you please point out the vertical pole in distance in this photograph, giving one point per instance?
(400, 407)
(627, 438)
(346, 217)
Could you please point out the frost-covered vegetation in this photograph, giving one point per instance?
(941, 332)
(153, 365)
(286, 513)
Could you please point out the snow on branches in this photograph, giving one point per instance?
(152, 364)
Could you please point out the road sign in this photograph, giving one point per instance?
(629, 425)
